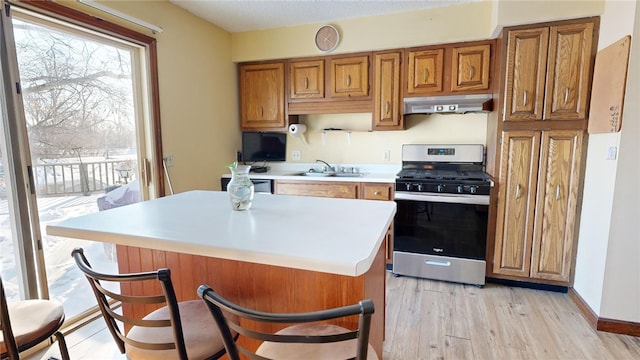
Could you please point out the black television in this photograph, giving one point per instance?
(262, 146)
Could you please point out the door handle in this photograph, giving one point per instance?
(348, 80)
(472, 71)
(425, 75)
(517, 191)
(566, 95)
(557, 192)
(524, 98)
(306, 83)
(386, 107)
(438, 262)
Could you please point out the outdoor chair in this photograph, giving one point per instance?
(26, 323)
(176, 330)
(308, 336)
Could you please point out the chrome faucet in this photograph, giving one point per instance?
(329, 167)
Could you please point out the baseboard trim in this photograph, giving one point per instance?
(603, 324)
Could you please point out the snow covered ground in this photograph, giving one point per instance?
(66, 283)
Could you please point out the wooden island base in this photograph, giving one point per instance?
(263, 287)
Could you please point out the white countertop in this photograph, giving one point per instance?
(382, 173)
(339, 236)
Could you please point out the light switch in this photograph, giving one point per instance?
(612, 152)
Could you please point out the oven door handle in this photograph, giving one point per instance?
(448, 198)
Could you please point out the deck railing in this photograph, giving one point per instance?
(79, 178)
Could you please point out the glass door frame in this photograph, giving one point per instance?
(22, 198)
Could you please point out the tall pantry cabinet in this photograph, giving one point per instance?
(539, 157)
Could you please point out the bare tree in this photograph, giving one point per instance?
(76, 92)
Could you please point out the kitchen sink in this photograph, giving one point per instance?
(327, 174)
(315, 174)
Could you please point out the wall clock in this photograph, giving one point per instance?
(327, 38)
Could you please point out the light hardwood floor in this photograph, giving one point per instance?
(438, 320)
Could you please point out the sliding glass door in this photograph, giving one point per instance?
(80, 124)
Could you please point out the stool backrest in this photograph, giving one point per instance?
(8, 340)
(231, 318)
(166, 297)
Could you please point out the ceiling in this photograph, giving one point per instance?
(246, 15)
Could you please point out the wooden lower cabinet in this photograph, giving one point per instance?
(537, 205)
(344, 190)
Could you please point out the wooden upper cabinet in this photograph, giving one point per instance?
(569, 71)
(262, 96)
(556, 205)
(306, 79)
(526, 70)
(517, 191)
(470, 67)
(549, 70)
(349, 77)
(387, 113)
(425, 70)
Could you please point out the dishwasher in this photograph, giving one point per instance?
(261, 186)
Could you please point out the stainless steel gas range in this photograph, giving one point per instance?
(440, 228)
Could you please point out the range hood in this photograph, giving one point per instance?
(454, 104)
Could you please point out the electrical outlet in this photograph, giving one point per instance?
(387, 155)
(168, 160)
(612, 152)
(296, 155)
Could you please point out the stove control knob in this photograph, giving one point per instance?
(473, 189)
(460, 189)
(420, 187)
(440, 188)
(408, 186)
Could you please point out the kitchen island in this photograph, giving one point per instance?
(286, 254)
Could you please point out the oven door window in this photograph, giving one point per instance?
(457, 230)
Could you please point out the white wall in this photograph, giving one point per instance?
(621, 291)
(607, 266)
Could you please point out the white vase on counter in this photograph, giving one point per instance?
(240, 188)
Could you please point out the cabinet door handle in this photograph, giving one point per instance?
(376, 193)
(524, 98)
(386, 107)
(306, 83)
(261, 111)
(425, 75)
(517, 191)
(566, 95)
(348, 80)
(472, 72)
(557, 192)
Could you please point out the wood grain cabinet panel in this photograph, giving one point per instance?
(425, 71)
(548, 74)
(569, 73)
(537, 204)
(346, 190)
(306, 79)
(514, 230)
(349, 77)
(470, 68)
(556, 204)
(377, 191)
(387, 113)
(526, 70)
(262, 96)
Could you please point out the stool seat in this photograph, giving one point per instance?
(290, 351)
(26, 323)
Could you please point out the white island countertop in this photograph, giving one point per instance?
(337, 236)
